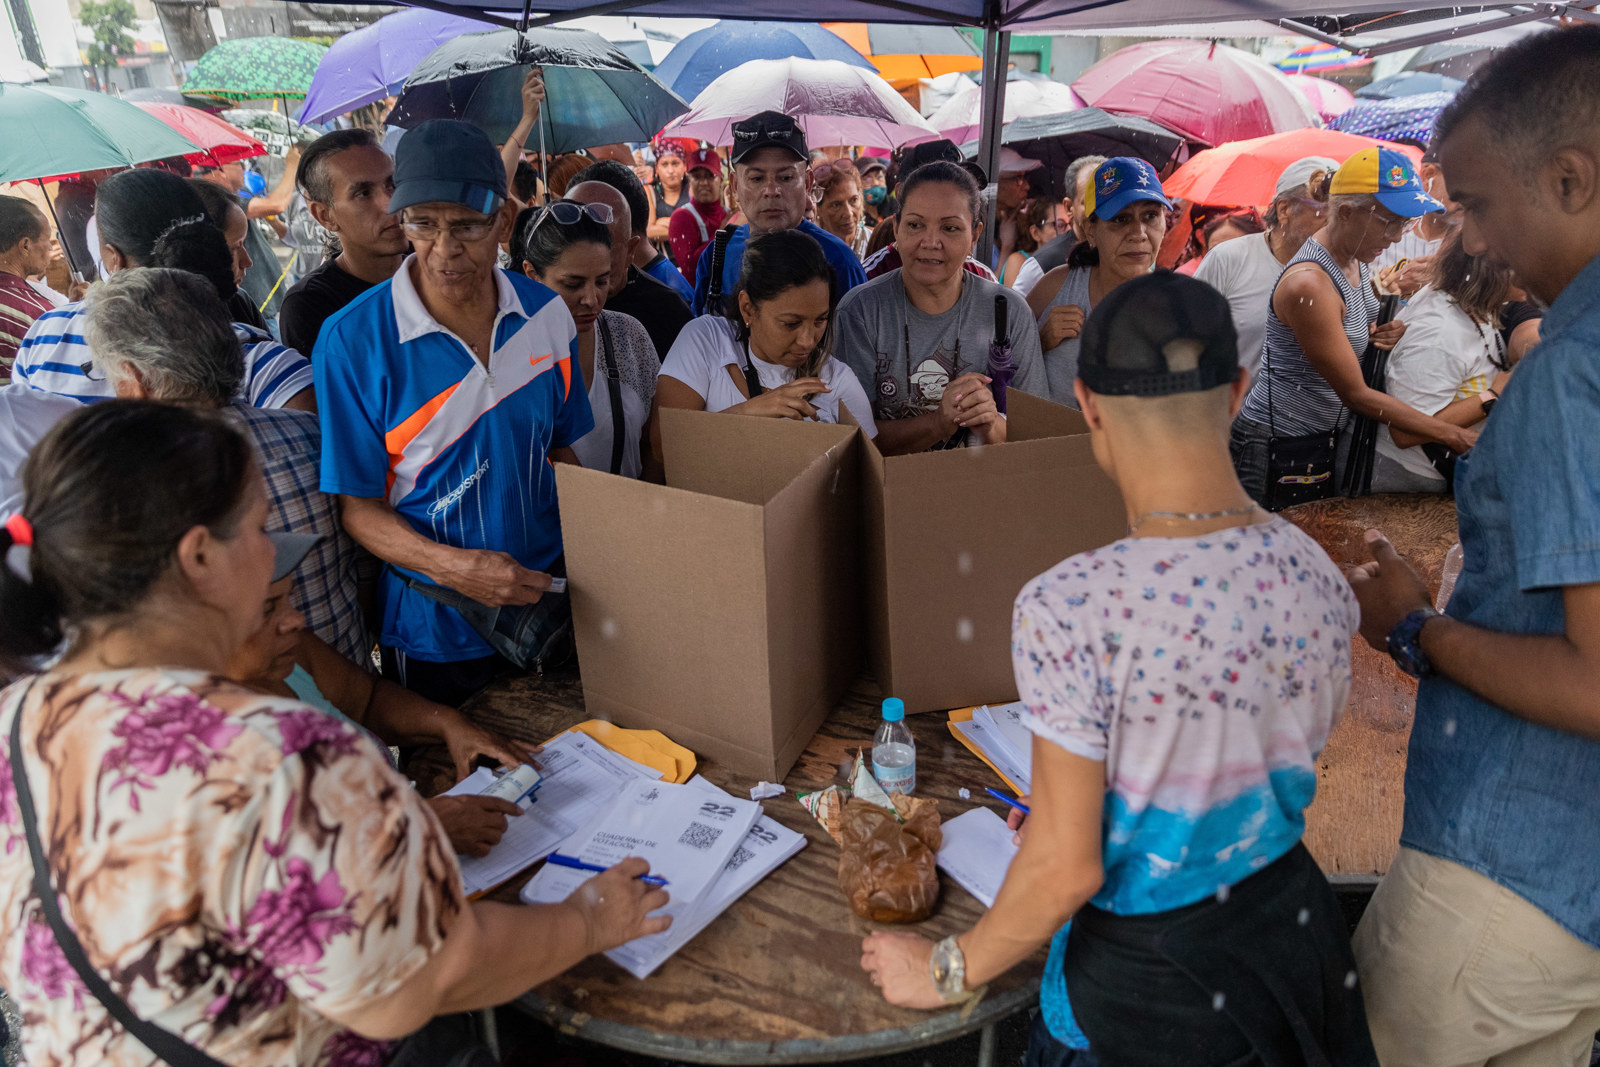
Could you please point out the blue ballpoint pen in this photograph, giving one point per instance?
(578, 865)
(1014, 803)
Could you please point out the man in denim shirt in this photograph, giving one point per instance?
(1482, 945)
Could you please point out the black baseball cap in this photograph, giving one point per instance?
(1131, 344)
(912, 156)
(768, 129)
(447, 161)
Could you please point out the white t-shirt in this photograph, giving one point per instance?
(1443, 356)
(1245, 271)
(706, 346)
(26, 415)
(1412, 245)
(1028, 276)
(636, 362)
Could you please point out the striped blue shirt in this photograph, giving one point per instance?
(54, 357)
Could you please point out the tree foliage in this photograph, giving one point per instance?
(109, 21)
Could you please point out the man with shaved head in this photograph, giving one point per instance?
(633, 292)
(1482, 944)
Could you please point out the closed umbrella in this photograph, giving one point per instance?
(1057, 140)
(53, 132)
(220, 142)
(1208, 92)
(833, 102)
(363, 67)
(1408, 118)
(1409, 83)
(705, 55)
(1326, 97)
(960, 117)
(905, 55)
(594, 94)
(256, 68)
(1245, 173)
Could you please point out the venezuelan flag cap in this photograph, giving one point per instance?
(1120, 181)
(1389, 177)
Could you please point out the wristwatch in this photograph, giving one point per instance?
(948, 969)
(1405, 644)
(1487, 400)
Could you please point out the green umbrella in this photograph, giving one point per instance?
(256, 68)
(52, 131)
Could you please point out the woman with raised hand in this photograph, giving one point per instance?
(1125, 216)
(242, 871)
(772, 356)
(566, 246)
(919, 336)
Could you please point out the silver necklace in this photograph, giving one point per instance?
(1190, 516)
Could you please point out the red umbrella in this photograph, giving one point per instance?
(220, 142)
(1208, 92)
(1245, 173)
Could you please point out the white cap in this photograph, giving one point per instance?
(1013, 162)
(1296, 174)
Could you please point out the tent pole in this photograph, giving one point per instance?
(66, 249)
(996, 59)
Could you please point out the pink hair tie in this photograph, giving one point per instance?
(20, 529)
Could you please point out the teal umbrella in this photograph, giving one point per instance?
(256, 68)
(53, 132)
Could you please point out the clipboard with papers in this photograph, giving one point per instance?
(997, 736)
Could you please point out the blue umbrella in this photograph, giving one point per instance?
(705, 55)
(1408, 118)
(1409, 83)
(363, 67)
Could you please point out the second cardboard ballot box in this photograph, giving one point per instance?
(723, 608)
(952, 536)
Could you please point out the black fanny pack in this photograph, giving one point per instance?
(532, 636)
(1300, 469)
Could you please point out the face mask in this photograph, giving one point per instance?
(876, 194)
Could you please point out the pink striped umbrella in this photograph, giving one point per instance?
(1210, 93)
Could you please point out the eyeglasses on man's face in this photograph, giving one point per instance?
(466, 231)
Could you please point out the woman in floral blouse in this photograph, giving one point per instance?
(244, 871)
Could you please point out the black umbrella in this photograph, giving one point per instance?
(1057, 140)
(594, 94)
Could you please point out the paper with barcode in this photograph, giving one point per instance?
(765, 847)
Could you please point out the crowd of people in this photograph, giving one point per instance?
(245, 550)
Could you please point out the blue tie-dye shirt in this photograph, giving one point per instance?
(1207, 673)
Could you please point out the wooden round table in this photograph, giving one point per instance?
(776, 978)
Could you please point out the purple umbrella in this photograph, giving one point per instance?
(1001, 367)
(373, 62)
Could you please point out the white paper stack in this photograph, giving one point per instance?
(581, 778)
(695, 903)
(977, 851)
(1001, 736)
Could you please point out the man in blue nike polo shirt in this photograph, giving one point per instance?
(445, 394)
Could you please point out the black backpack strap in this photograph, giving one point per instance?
(719, 252)
(752, 380)
(619, 429)
(166, 1045)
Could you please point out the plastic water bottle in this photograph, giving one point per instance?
(894, 751)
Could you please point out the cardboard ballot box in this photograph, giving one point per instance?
(724, 608)
(950, 538)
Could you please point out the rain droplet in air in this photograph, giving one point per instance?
(1217, 1001)
(608, 628)
(1222, 894)
(1450, 727)
(1304, 917)
(964, 631)
(964, 564)
(1350, 980)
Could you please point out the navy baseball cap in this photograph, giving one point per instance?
(1120, 181)
(1157, 335)
(446, 161)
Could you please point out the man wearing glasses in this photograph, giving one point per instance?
(772, 186)
(449, 389)
(1245, 270)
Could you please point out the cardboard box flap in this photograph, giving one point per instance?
(1030, 418)
(741, 457)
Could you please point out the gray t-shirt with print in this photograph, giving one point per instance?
(904, 357)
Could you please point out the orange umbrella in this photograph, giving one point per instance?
(1245, 173)
(905, 54)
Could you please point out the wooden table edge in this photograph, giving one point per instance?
(934, 1029)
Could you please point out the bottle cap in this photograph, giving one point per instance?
(894, 709)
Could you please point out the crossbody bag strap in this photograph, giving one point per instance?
(699, 220)
(752, 380)
(619, 429)
(166, 1045)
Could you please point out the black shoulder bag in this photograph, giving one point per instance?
(619, 429)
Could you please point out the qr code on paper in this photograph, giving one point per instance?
(700, 836)
(741, 856)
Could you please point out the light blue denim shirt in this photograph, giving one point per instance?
(1516, 802)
